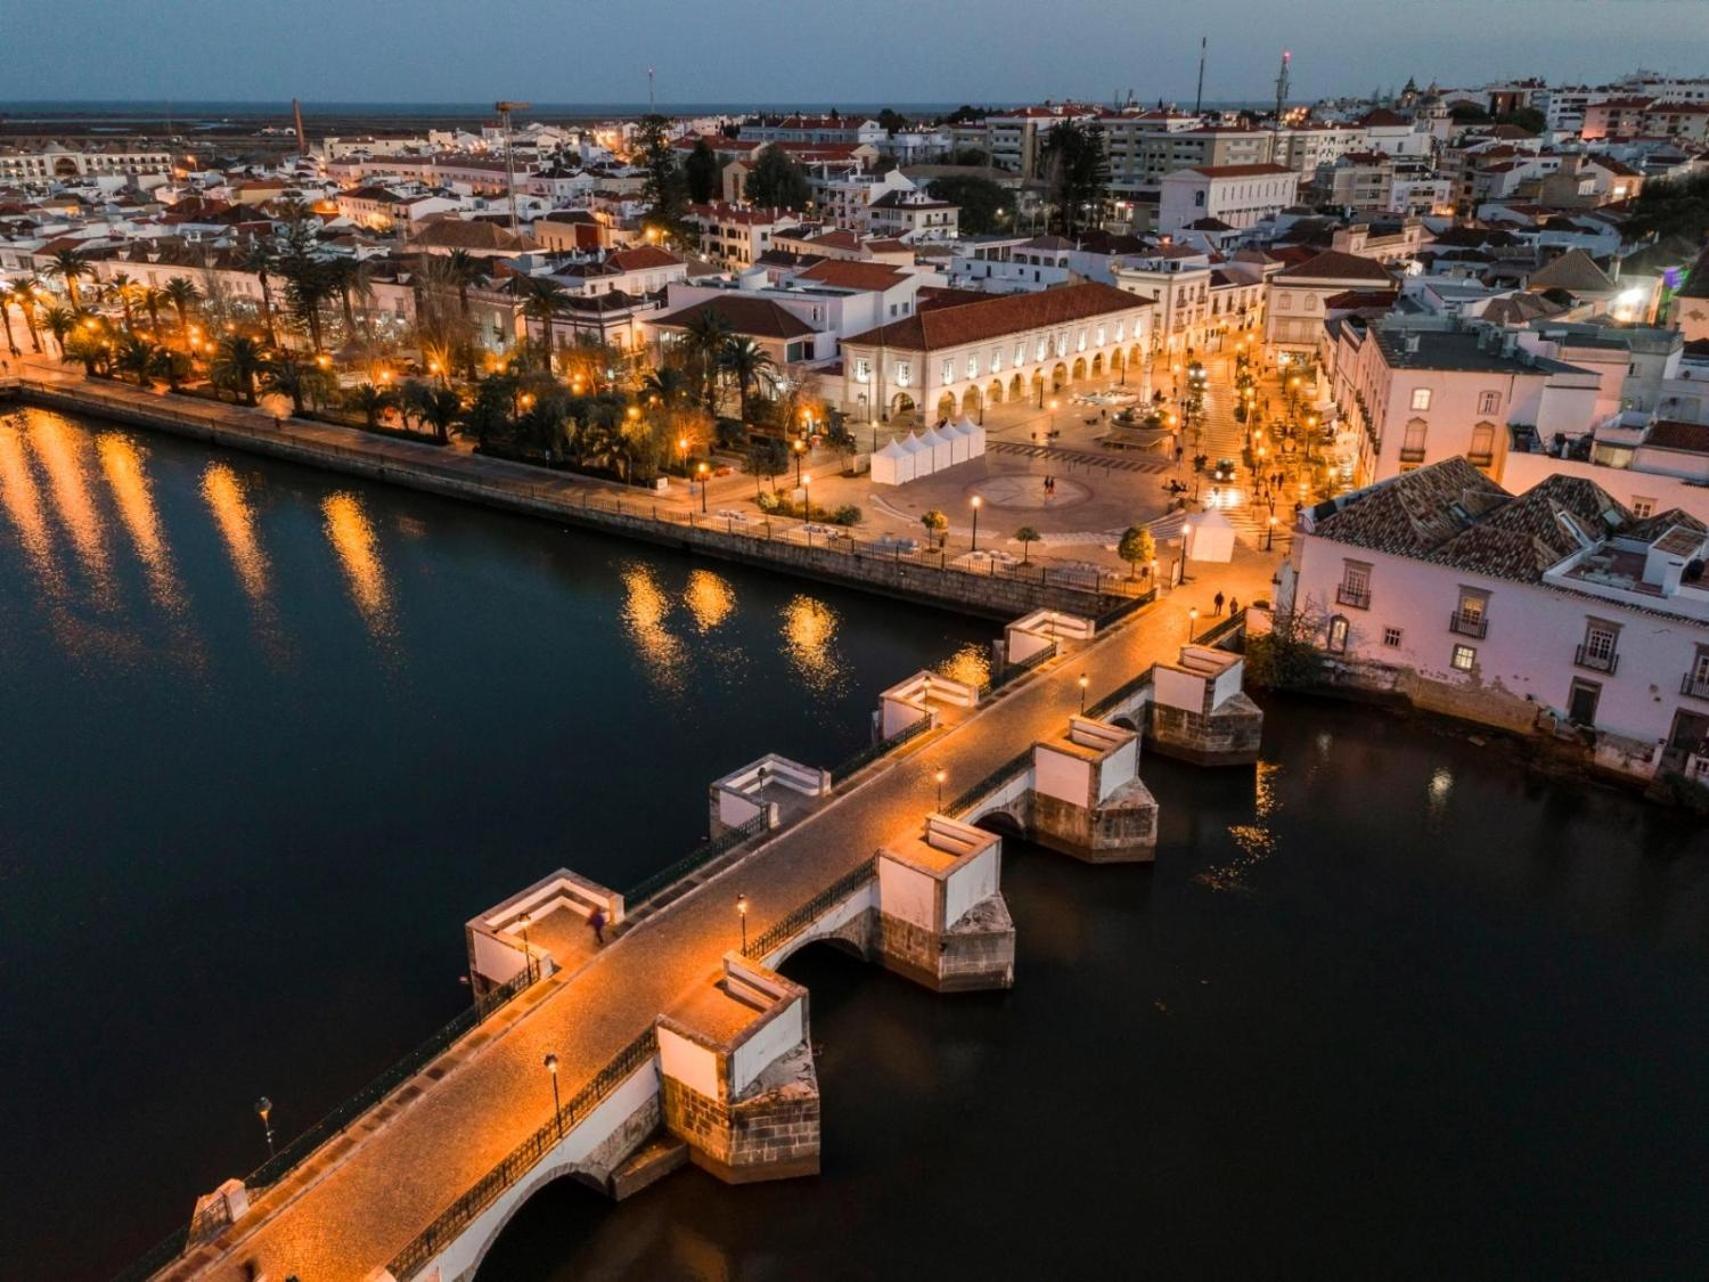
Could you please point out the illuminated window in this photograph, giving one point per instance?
(1465, 658)
(1338, 634)
(863, 370)
(1421, 398)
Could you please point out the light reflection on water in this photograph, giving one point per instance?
(970, 664)
(59, 449)
(810, 640)
(1256, 841)
(224, 495)
(646, 610)
(122, 462)
(21, 498)
(709, 598)
(352, 538)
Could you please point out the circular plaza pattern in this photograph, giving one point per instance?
(1026, 490)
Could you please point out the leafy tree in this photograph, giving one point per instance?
(665, 191)
(777, 182)
(1286, 657)
(1078, 174)
(937, 525)
(440, 410)
(1026, 536)
(1136, 545)
(489, 417)
(123, 288)
(985, 206)
(542, 300)
(703, 340)
(301, 381)
(137, 357)
(970, 156)
(892, 120)
(1676, 208)
(370, 402)
(700, 172)
(1529, 119)
(966, 115)
(767, 457)
(259, 258)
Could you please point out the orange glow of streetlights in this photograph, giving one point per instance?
(939, 777)
(742, 912)
(1192, 622)
(557, 1108)
(1083, 683)
(977, 504)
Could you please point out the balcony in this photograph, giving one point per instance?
(1468, 625)
(1584, 657)
(1695, 684)
(1357, 597)
(1411, 456)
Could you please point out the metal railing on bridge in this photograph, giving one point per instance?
(521, 1160)
(793, 923)
(638, 895)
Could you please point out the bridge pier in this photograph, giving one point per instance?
(737, 1080)
(941, 918)
(1087, 798)
(1199, 711)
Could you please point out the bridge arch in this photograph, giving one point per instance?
(553, 1176)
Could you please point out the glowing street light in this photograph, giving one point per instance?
(1270, 535)
(1192, 622)
(800, 449)
(703, 469)
(527, 952)
(939, 777)
(264, 1110)
(742, 912)
(557, 1109)
(977, 504)
(1084, 681)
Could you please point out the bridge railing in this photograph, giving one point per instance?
(792, 924)
(282, 1162)
(968, 796)
(866, 756)
(637, 895)
(521, 1160)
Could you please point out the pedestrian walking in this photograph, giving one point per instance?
(1233, 607)
(1217, 601)
(597, 923)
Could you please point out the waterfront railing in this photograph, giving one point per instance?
(638, 895)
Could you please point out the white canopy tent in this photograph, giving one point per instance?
(919, 457)
(975, 437)
(960, 443)
(939, 444)
(892, 465)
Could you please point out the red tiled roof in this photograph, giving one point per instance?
(1241, 171)
(953, 326)
(641, 258)
(843, 274)
(1332, 264)
(754, 317)
(1668, 434)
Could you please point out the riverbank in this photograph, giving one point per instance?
(789, 546)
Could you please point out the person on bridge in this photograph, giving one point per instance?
(597, 924)
(1217, 601)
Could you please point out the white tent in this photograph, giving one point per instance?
(975, 438)
(938, 443)
(920, 461)
(960, 447)
(892, 465)
(1210, 537)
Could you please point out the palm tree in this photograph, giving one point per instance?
(462, 269)
(441, 407)
(123, 288)
(238, 362)
(24, 295)
(152, 298)
(300, 381)
(370, 400)
(139, 358)
(667, 386)
(703, 338)
(182, 293)
(747, 364)
(543, 299)
(308, 284)
(259, 259)
(348, 276)
(6, 299)
(70, 265)
(59, 321)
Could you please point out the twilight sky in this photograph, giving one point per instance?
(770, 51)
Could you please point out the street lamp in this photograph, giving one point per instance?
(264, 1110)
(977, 503)
(1192, 622)
(1186, 534)
(527, 952)
(800, 449)
(1270, 535)
(682, 452)
(557, 1109)
(703, 469)
(1083, 683)
(807, 500)
(742, 912)
(940, 776)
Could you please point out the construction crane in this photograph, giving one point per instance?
(1281, 105)
(504, 109)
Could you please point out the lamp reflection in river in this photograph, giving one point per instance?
(223, 493)
(62, 459)
(645, 610)
(22, 500)
(709, 598)
(352, 538)
(121, 460)
(809, 635)
(971, 665)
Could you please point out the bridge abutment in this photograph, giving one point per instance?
(1087, 798)
(1199, 711)
(941, 918)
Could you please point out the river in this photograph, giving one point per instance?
(273, 736)
(1387, 1005)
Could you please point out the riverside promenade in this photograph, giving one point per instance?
(793, 547)
(368, 1197)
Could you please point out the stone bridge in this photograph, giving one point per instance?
(676, 1039)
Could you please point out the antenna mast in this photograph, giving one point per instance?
(652, 105)
(1199, 98)
(504, 109)
(302, 134)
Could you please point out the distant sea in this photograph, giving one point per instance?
(81, 111)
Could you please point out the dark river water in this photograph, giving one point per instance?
(1387, 1006)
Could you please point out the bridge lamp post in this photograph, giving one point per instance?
(742, 912)
(977, 504)
(264, 1110)
(557, 1109)
(703, 476)
(527, 952)
(1192, 622)
(1270, 535)
(939, 777)
(1083, 683)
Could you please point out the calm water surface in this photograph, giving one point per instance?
(1385, 1008)
(272, 737)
